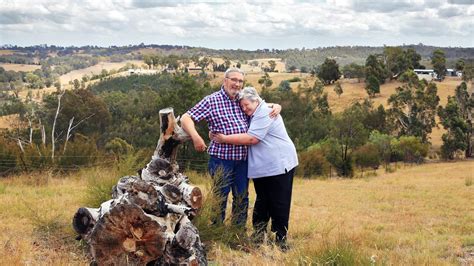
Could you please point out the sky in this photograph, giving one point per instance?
(240, 24)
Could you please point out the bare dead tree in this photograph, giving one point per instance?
(71, 127)
(53, 138)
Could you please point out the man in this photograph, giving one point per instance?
(227, 162)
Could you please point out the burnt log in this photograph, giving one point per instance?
(149, 216)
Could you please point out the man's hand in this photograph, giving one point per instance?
(276, 109)
(199, 144)
(188, 125)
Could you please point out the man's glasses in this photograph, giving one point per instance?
(236, 80)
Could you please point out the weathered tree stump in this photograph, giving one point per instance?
(149, 216)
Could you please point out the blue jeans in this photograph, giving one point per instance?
(231, 175)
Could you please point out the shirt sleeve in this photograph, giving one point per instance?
(260, 125)
(201, 110)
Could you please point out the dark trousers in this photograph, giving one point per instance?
(273, 202)
(231, 175)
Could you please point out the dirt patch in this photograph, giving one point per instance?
(9, 121)
(20, 67)
(95, 69)
(6, 52)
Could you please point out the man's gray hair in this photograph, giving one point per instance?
(233, 69)
(249, 93)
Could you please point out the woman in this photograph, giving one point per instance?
(272, 161)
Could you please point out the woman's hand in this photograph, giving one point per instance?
(276, 109)
(217, 137)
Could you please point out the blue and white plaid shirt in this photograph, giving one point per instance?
(223, 115)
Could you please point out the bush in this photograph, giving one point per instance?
(367, 156)
(7, 156)
(295, 79)
(82, 151)
(410, 149)
(313, 163)
(382, 142)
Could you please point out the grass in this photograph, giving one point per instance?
(417, 215)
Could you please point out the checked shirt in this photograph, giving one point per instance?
(223, 115)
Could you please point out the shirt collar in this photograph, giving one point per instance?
(222, 91)
(262, 103)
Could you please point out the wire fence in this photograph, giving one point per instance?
(36, 162)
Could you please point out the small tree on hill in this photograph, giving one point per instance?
(456, 129)
(413, 107)
(329, 71)
(353, 70)
(438, 60)
(372, 86)
(284, 85)
(265, 81)
(272, 64)
(375, 67)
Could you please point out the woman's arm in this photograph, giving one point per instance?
(236, 139)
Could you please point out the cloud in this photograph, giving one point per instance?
(461, 2)
(449, 12)
(235, 24)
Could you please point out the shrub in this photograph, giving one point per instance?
(382, 142)
(313, 163)
(367, 156)
(295, 79)
(7, 156)
(82, 151)
(410, 149)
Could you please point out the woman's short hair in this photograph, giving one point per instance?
(233, 69)
(249, 93)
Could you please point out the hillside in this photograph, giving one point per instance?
(418, 215)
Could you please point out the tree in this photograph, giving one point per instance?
(272, 65)
(398, 61)
(76, 84)
(347, 133)
(414, 59)
(413, 107)
(265, 81)
(438, 60)
(466, 105)
(468, 71)
(460, 64)
(367, 156)
(353, 70)
(329, 71)
(372, 86)
(34, 81)
(375, 67)
(395, 60)
(204, 62)
(338, 89)
(382, 142)
(284, 85)
(455, 138)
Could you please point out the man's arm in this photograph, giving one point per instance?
(187, 124)
(276, 109)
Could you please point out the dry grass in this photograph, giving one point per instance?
(6, 52)
(420, 215)
(20, 67)
(95, 69)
